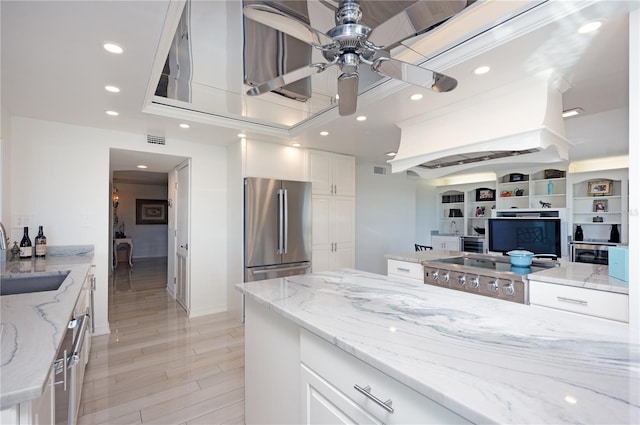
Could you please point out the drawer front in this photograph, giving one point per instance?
(607, 305)
(405, 269)
(341, 371)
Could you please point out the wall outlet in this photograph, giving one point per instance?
(85, 220)
(21, 220)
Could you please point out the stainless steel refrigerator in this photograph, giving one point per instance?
(277, 228)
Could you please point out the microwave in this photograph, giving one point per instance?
(594, 253)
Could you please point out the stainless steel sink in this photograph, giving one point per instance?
(32, 282)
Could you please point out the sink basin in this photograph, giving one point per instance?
(33, 282)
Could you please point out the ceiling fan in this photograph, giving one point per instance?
(351, 43)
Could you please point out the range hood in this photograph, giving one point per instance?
(519, 123)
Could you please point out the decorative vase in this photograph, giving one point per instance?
(550, 188)
(615, 234)
(578, 235)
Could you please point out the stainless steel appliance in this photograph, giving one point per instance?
(473, 244)
(277, 228)
(487, 275)
(590, 252)
(69, 369)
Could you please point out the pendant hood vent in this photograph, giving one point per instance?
(520, 123)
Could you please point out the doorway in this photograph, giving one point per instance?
(144, 216)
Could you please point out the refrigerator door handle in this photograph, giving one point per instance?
(285, 233)
(280, 249)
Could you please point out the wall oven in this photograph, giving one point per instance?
(589, 252)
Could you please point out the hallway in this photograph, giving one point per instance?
(157, 366)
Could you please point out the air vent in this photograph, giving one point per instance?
(377, 169)
(155, 140)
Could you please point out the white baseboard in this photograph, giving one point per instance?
(101, 330)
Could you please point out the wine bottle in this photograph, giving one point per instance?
(26, 250)
(41, 244)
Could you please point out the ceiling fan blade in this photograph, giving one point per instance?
(288, 78)
(286, 23)
(348, 93)
(414, 20)
(413, 74)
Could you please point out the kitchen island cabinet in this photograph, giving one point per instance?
(477, 359)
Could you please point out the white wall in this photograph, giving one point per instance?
(66, 184)
(385, 216)
(426, 211)
(149, 240)
(634, 175)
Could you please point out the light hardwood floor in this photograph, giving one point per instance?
(158, 366)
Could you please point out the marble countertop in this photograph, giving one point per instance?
(583, 275)
(488, 360)
(33, 325)
(420, 256)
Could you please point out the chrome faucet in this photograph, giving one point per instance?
(3, 238)
(453, 228)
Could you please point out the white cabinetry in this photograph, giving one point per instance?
(591, 302)
(533, 190)
(332, 174)
(329, 377)
(596, 214)
(450, 243)
(333, 210)
(39, 411)
(272, 367)
(405, 270)
(333, 232)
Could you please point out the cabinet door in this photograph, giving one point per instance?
(343, 171)
(324, 404)
(320, 164)
(321, 260)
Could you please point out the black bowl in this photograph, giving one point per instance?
(479, 230)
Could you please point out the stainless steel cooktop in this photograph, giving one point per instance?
(487, 275)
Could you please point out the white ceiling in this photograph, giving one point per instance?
(54, 68)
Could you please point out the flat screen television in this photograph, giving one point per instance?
(538, 235)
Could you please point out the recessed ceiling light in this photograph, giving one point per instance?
(112, 113)
(391, 153)
(482, 70)
(112, 89)
(296, 145)
(416, 96)
(324, 133)
(142, 166)
(572, 112)
(113, 48)
(242, 135)
(361, 118)
(590, 27)
(183, 125)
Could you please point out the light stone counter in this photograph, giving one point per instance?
(420, 256)
(33, 325)
(487, 360)
(583, 275)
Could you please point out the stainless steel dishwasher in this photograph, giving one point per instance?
(69, 370)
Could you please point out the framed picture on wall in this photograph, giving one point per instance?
(600, 188)
(601, 205)
(485, 194)
(151, 211)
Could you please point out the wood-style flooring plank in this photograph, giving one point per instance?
(158, 366)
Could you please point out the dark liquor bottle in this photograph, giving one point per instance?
(41, 244)
(26, 250)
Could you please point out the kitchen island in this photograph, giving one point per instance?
(33, 324)
(473, 358)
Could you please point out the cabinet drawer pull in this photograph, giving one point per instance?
(386, 405)
(572, 301)
(400, 269)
